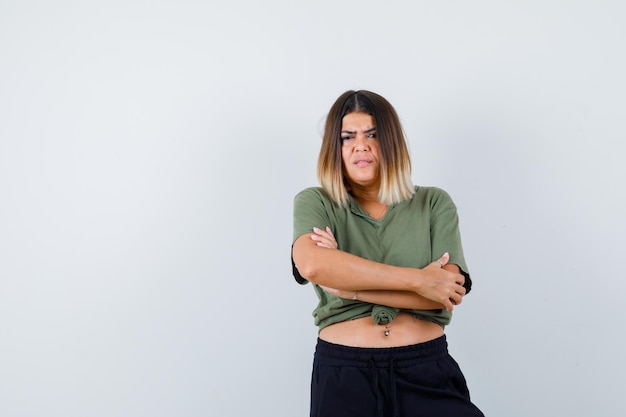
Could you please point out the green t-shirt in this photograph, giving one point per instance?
(412, 233)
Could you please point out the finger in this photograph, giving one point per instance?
(323, 233)
(443, 260)
(325, 236)
(326, 243)
(460, 279)
(456, 299)
(320, 235)
(319, 240)
(447, 303)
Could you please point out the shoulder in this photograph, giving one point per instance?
(313, 200)
(313, 195)
(312, 192)
(432, 195)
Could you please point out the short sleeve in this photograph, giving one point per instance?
(310, 209)
(445, 233)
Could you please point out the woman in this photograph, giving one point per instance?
(386, 262)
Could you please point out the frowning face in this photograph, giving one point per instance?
(360, 151)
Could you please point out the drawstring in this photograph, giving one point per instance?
(379, 396)
(392, 386)
(392, 382)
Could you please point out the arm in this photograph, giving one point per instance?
(328, 267)
(397, 299)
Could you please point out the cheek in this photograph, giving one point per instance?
(345, 157)
(376, 151)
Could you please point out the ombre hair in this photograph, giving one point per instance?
(395, 163)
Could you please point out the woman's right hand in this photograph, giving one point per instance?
(441, 284)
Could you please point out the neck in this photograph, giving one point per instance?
(365, 195)
(368, 200)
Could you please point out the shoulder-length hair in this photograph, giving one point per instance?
(395, 164)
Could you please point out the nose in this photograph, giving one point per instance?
(360, 144)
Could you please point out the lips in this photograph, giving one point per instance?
(362, 162)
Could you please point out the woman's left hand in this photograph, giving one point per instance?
(324, 238)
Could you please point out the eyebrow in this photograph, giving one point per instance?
(366, 131)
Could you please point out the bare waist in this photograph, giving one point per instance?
(404, 330)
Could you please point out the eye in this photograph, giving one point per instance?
(347, 137)
(372, 135)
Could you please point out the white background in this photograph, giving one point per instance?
(150, 152)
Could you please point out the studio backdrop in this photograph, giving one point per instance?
(150, 153)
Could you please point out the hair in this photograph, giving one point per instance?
(395, 164)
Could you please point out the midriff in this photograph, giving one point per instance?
(404, 330)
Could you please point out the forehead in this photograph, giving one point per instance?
(357, 121)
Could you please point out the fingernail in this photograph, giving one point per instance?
(315, 229)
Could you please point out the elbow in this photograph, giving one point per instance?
(308, 270)
(305, 255)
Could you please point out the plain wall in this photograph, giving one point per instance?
(150, 152)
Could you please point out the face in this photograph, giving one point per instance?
(360, 150)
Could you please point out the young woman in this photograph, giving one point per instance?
(386, 261)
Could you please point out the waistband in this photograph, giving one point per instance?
(401, 355)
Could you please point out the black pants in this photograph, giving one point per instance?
(408, 381)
